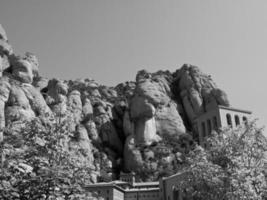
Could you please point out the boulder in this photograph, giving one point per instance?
(56, 87)
(146, 132)
(4, 63)
(99, 109)
(31, 58)
(22, 70)
(109, 135)
(220, 96)
(168, 121)
(128, 126)
(191, 115)
(4, 88)
(5, 48)
(3, 35)
(154, 91)
(36, 100)
(17, 97)
(141, 108)
(40, 83)
(142, 75)
(56, 96)
(92, 131)
(87, 109)
(197, 91)
(196, 101)
(17, 113)
(75, 105)
(132, 156)
(125, 89)
(81, 148)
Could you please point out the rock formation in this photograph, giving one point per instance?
(123, 128)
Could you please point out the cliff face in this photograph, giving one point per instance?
(131, 127)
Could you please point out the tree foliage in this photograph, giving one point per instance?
(36, 163)
(231, 167)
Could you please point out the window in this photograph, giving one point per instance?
(229, 119)
(237, 121)
(203, 129)
(215, 123)
(209, 126)
(175, 194)
(245, 120)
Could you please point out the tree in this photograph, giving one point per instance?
(36, 162)
(231, 167)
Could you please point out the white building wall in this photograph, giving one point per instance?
(168, 185)
(141, 195)
(204, 119)
(224, 112)
(107, 193)
(220, 113)
(117, 195)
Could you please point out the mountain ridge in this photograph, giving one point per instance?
(130, 126)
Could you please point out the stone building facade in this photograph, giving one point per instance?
(126, 190)
(220, 116)
(171, 187)
(108, 191)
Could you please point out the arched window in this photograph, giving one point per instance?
(245, 120)
(209, 126)
(237, 121)
(215, 123)
(229, 119)
(175, 193)
(203, 129)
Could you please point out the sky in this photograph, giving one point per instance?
(110, 40)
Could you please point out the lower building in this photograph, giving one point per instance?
(142, 194)
(120, 190)
(168, 188)
(172, 188)
(108, 191)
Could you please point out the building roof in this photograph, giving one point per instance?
(141, 190)
(145, 184)
(175, 175)
(104, 185)
(141, 187)
(118, 182)
(234, 109)
(224, 108)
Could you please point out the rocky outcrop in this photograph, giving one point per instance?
(5, 50)
(196, 91)
(140, 126)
